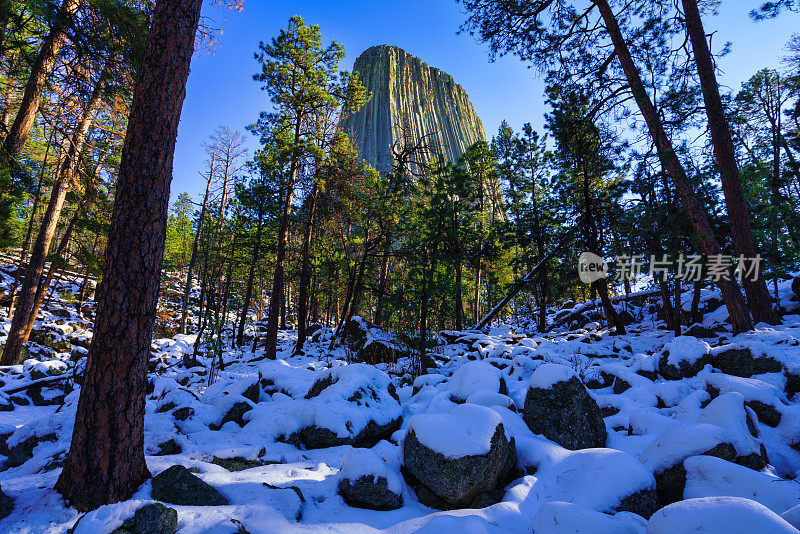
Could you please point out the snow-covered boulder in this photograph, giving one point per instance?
(349, 405)
(718, 515)
(729, 412)
(460, 459)
(474, 377)
(558, 406)
(665, 455)
(707, 476)
(740, 361)
(366, 482)
(684, 357)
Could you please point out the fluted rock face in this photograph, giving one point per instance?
(411, 103)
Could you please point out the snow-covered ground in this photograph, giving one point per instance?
(286, 442)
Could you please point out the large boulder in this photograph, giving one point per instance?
(366, 482)
(177, 485)
(559, 407)
(460, 459)
(684, 357)
(349, 405)
(796, 286)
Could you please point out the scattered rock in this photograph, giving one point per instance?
(23, 451)
(684, 357)
(177, 485)
(458, 460)
(6, 504)
(366, 482)
(168, 448)
(154, 518)
(237, 463)
(559, 407)
(350, 405)
(699, 331)
(665, 455)
(741, 362)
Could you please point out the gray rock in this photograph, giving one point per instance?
(152, 518)
(566, 414)
(796, 285)
(23, 451)
(466, 482)
(699, 331)
(741, 362)
(177, 485)
(684, 369)
(369, 492)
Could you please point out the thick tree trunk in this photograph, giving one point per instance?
(755, 287)
(248, 294)
(276, 296)
(737, 308)
(40, 71)
(106, 460)
(23, 256)
(305, 271)
(44, 286)
(67, 178)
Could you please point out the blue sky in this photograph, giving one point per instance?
(221, 90)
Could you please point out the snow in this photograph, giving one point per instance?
(550, 374)
(718, 515)
(360, 463)
(466, 430)
(455, 409)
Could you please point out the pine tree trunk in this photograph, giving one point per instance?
(305, 272)
(737, 308)
(106, 460)
(248, 294)
(67, 177)
(37, 80)
(758, 298)
(193, 259)
(459, 297)
(23, 256)
(276, 297)
(51, 272)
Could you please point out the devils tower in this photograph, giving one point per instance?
(411, 101)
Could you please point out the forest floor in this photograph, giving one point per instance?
(303, 443)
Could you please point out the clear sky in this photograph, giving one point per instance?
(221, 90)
